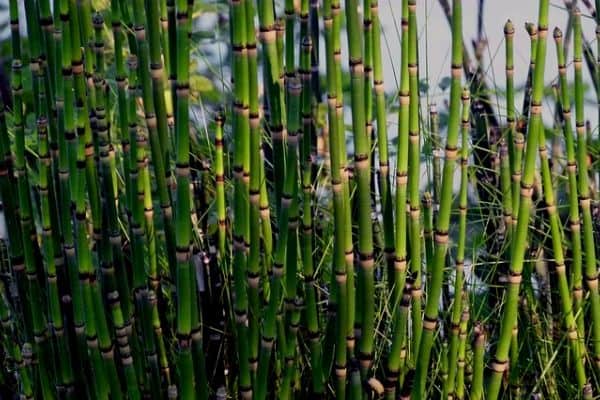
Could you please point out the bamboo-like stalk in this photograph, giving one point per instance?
(183, 234)
(499, 363)
(15, 34)
(123, 131)
(291, 303)
(274, 123)
(220, 186)
(46, 22)
(10, 200)
(198, 354)
(253, 268)
(457, 306)
(362, 164)
(400, 259)
(517, 166)
(64, 374)
(559, 263)
(428, 207)
(354, 315)
(149, 72)
(367, 51)
(19, 304)
(85, 98)
(86, 182)
(589, 246)
(532, 31)
(461, 362)
(443, 220)
(138, 176)
(515, 161)
(153, 30)
(146, 61)
(160, 352)
(291, 298)
(414, 166)
(34, 297)
(172, 39)
(437, 153)
(162, 110)
(479, 341)
(17, 257)
(266, 228)
(83, 151)
(307, 243)
(269, 332)
(67, 159)
(507, 190)
(165, 44)
(385, 192)
(109, 243)
(34, 32)
(290, 42)
(341, 296)
(274, 89)
(144, 324)
(576, 277)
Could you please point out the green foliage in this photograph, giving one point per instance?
(194, 207)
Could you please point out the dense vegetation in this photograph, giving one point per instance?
(151, 253)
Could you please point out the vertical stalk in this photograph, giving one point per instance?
(64, 374)
(576, 281)
(515, 165)
(307, 243)
(339, 302)
(362, 167)
(443, 220)
(123, 131)
(461, 362)
(457, 306)
(220, 187)
(589, 246)
(290, 190)
(479, 342)
(385, 191)
(146, 73)
(509, 318)
(414, 170)
(438, 153)
(559, 262)
(400, 260)
(253, 272)
(183, 234)
(163, 115)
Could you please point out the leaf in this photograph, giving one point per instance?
(200, 84)
(321, 114)
(445, 83)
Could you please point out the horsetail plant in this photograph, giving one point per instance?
(500, 361)
(457, 305)
(152, 254)
(400, 316)
(362, 164)
(576, 283)
(591, 269)
(338, 303)
(443, 220)
(414, 157)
